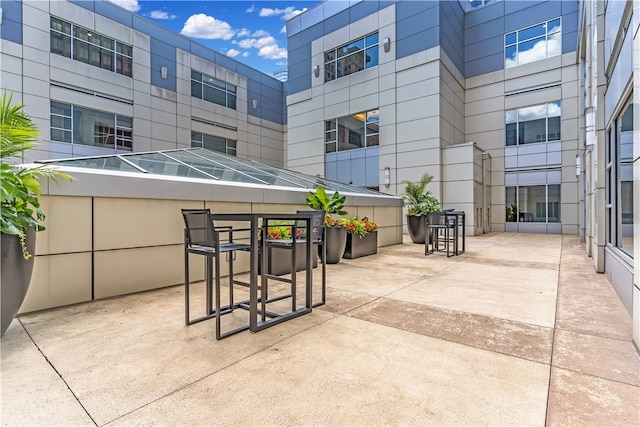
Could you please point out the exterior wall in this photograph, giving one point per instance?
(103, 255)
(610, 59)
(163, 110)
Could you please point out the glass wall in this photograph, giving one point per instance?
(537, 123)
(357, 131)
(619, 181)
(534, 203)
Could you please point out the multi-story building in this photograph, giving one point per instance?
(523, 111)
(98, 79)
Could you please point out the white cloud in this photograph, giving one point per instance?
(245, 54)
(251, 9)
(202, 26)
(281, 63)
(539, 50)
(287, 13)
(233, 53)
(243, 32)
(130, 5)
(267, 47)
(160, 14)
(272, 52)
(284, 29)
(260, 33)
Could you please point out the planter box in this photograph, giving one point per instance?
(361, 246)
(279, 263)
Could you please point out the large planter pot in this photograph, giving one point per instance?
(16, 275)
(361, 246)
(279, 263)
(416, 228)
(335, 239)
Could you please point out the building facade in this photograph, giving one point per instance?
(523, 111)
(98, 79)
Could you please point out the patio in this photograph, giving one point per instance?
(519, 330)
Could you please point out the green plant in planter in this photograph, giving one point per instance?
(20, 188)
(359, 226)
(417, 198)
(330, 205)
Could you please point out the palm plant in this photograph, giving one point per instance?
(418, 199)
(19, 186)
(330, 205)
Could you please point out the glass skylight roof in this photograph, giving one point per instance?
(205, 164)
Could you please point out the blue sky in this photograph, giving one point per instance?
(252, 32)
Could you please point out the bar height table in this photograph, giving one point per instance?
(255, 289)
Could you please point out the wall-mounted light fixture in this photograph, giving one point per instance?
(387, 176)
(386, 43)
(163, 72)
(254, 103)
(316, 70)
(578, 165)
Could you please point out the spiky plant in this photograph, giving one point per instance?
(418, 199)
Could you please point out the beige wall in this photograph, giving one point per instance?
(100, 247)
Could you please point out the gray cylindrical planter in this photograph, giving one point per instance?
(335, 240)
(16, 275)
(416, 228)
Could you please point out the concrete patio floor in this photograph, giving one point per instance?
(519, 330)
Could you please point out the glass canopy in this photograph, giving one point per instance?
(205, 164)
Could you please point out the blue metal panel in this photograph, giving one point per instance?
(330, 168)
(344, 171)
(248, 72)
(417, 23)
(307, 36)
(362, 9)
(358, 171)
(417, 42)
(532, 15)
(272, 116)
(569, 6)
(272, 105)
(569, 42)
(407, 9)
(372, 177)
(343, 155)
(489, 29)
(113, 12)
(484, 65)
(484, 14)
(514, 6)
(11, 28)
(201, 51)
(163, 55)
(272, 82)
(299, 70)
(225, 61)
(570, 22)
(484, 47)
(452, 32)
(358, 153)
(336, 22)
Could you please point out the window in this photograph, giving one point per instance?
(214, 143)
(350, 58)
(619, 182)
(478, 3)
(213, 90)
(533, 43)
(89, 47)
(79, 125)
(535, 203)
(351, 132)
(539, 123)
